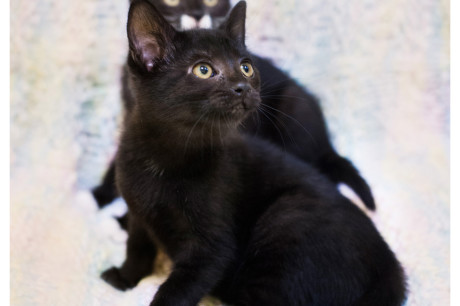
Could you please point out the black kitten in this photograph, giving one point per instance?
(239, 218)
(289, 116)
(182, 15)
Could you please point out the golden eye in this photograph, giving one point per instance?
(210, 3)
(172, 2)
(203, 71)
(247, 70)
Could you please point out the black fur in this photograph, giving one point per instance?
(289, 117)
(239, 218)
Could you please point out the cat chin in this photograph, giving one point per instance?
(231, 119)
(236, 112)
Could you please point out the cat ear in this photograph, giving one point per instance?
(235, 24)
(149, 34)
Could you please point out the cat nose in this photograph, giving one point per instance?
(240, 88)
(197, 15)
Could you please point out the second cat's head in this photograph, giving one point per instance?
(183, 77)
(192, 14)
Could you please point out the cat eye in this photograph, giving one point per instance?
(172, 2)
(203, 71)
(210, 3)
(247, 70)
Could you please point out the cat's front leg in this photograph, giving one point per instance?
(193, 277)
(140, 255)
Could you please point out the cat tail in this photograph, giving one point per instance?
(107, 191)
(341, 170)
(123, 221)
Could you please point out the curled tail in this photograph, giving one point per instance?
(341, 170)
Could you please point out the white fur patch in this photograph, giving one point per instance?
(233, 2)
(187, 22)
(205, 22)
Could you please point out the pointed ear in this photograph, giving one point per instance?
(149, 34)
(235, 24)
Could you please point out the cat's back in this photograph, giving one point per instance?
(273, 168)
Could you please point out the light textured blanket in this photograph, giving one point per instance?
(380, 68)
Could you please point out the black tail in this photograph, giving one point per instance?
(107, 191)
(123, 221)
(340, 169)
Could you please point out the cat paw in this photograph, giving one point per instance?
(114, 278)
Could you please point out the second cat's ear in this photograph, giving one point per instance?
(149, 34)
(235, 23)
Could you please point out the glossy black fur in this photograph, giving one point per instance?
(289, 116)
(239, 218)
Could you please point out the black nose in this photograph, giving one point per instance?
(240, 88)
(197, 15)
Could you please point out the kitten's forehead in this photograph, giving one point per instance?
(214, 44)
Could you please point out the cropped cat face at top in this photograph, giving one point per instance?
(190, 14)
(211, 71)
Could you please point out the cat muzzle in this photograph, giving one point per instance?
(195, 22)
(241, 89)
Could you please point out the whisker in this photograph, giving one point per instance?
(242, 124)
(190, 133)
(286, 96)
(279, 131)
(277, 84)
(220, 134)
(259, 122)
(284, 126)
(212, 127)
(295, 120)
(202, 142)
(227, 122)
(169, 111)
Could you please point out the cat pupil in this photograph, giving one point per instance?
(246, 68)
(204, 69)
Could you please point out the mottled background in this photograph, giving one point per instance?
(380, 68)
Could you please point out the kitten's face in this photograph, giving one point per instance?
(193, 77)
(191, 14)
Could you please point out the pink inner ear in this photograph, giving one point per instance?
(149, 66)
(150, 52)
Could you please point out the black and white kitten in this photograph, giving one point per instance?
(289, 116)
(239, 218)
(192, 14)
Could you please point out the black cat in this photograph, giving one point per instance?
(289, 116)
(239, 218)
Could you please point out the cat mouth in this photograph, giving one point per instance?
(239, 110)
(234, 108)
